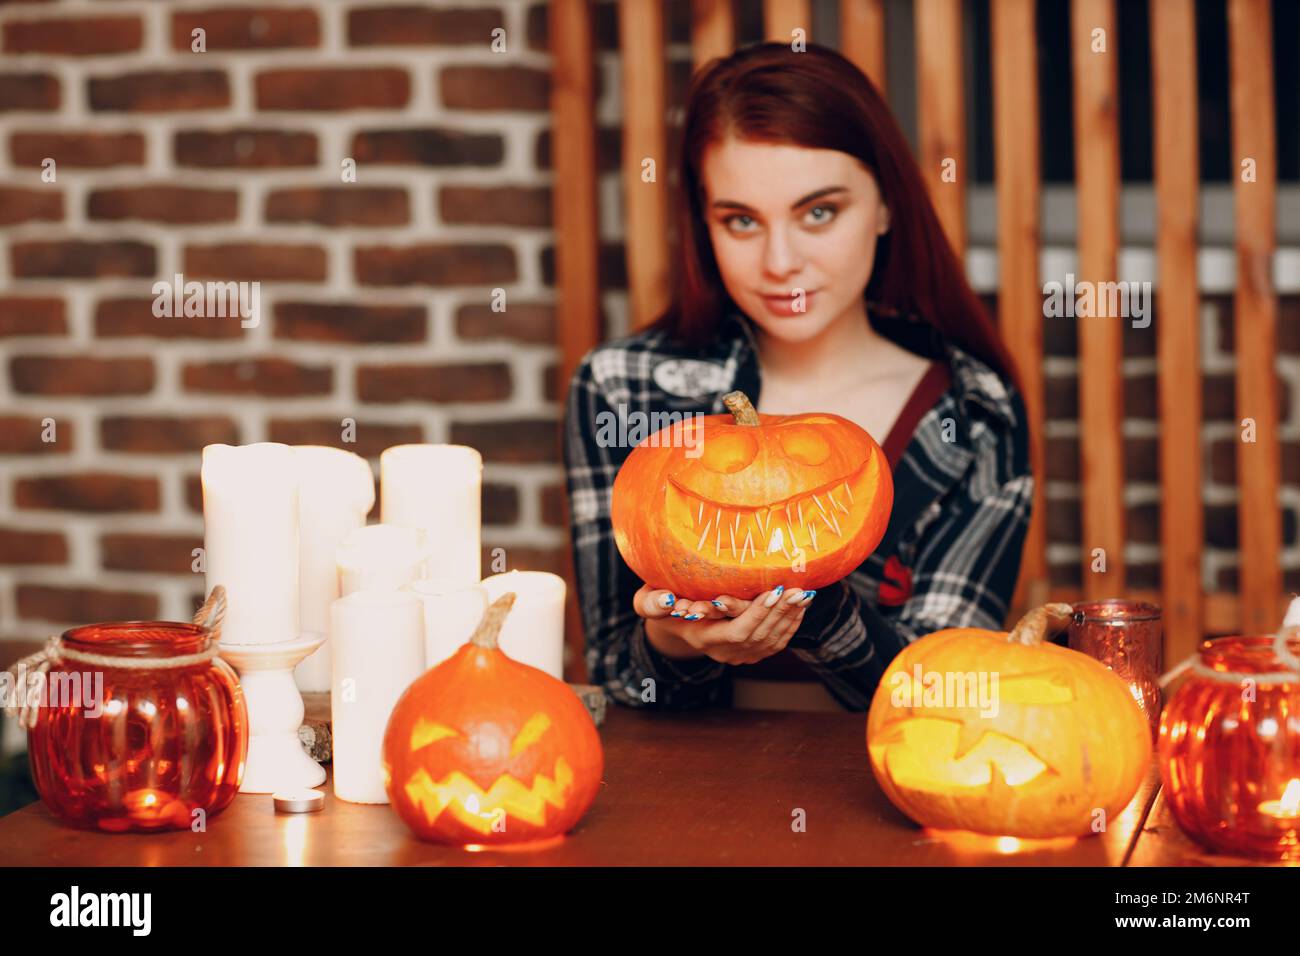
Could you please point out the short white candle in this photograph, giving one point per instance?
(380, 557)
(437, 488)
(250, 539)
(336, 490)
(378, 640)
(534, 630)
(451, 612)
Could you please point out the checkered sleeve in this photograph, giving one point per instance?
(964, 574)
(619, 655)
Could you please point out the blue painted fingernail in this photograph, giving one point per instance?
(779, 588)
(808, 596)
(693, 617)
(716, 603)
(668, 599)
(675, 614)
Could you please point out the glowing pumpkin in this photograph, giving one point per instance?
(483, 749)
(729, 504)
(1049, 738)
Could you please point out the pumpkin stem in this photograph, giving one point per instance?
(489, 629)
(1034, 627)
(741, 408)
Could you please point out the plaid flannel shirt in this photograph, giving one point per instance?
(963, 491)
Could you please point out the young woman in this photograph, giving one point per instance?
(813, 275)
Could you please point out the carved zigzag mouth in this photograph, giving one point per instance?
(478, 809)
(812, 520)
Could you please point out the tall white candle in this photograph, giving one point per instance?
(336, 490)
(378, 649)
(380, 557)
(437, 488)
(534, 630)
(250, 539)
(451, 612)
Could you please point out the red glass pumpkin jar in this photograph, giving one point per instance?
(1230, 747)
(158, 731)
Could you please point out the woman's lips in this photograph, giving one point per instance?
(785, 304)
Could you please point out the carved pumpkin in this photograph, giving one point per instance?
(731, 504)
(1062, 739)
(484, 750)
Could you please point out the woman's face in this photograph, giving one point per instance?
(793, 230)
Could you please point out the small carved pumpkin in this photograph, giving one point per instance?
(731, 504)
(483, 749)
(1058, 742)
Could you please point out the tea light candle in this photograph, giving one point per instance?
(380, 557)
(250, 539)
(437, 488)
(451, 612)
(534, 631)
(378, 639)
(1287, 809)
(336, 490)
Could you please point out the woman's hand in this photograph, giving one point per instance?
(727, 629)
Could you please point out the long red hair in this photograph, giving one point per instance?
(820, 100)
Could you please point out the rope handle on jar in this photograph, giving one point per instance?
(1290, 627)
(31, 672)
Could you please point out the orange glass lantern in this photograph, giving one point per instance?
(1229, 747)
(139, 725)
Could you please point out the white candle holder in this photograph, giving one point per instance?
(276, 760)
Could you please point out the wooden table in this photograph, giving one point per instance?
(697, 789)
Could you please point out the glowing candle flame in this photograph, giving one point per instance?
(1288, 808)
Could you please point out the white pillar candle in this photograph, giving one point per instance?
(451, 612)
(336, 490)
(250, 539)
(380, 557)
(378, 650)
(534, 630)
(437, 488)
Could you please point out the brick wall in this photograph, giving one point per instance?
(376, 294)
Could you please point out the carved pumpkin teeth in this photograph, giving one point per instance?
(799, 505)
(812, 531)
(749, 546)
(700, 516)
(819, 506)
(732, 532)
(717, 540)
(699, 544)
(848, 491)
(831, 495)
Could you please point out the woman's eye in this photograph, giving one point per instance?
(740, 223)
(828, 213)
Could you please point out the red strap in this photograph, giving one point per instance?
(932, 385)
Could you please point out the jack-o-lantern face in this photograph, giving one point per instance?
(1049, 739)
(483, 749)
(507, 797)
(730, 504)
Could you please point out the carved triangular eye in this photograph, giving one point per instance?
(426, 732)
(532, 731)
